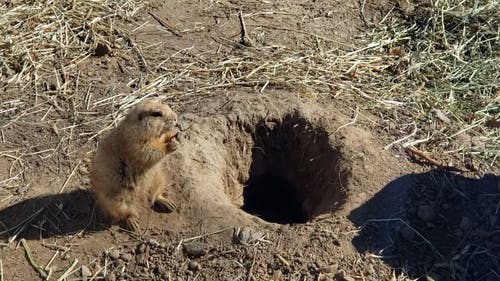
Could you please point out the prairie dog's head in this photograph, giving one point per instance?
(151, 118)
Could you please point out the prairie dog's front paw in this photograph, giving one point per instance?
(172, 145)
(168, 136)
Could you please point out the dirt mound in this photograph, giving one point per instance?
(275, 168)
(265, 170)
(286, 165)
(264, 189)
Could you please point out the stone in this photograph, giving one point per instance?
(126, 256)
(85, 272)
(196, 249)
(114, 254)
(425, 213)
(194, 266)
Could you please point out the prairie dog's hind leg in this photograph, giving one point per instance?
(130, 217)
(132, 223)
(118, 209)
(158, 201)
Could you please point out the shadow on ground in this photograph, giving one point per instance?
(435, 224)
(51, 215)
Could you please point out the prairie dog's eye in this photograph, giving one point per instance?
(156, 114)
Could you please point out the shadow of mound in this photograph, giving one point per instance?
(51, 215)
(435, 224)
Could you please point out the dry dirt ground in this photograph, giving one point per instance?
(278, 185)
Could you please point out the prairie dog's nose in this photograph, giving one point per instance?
(171, 124)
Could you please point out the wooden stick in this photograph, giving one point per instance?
(250, 274)
(245, 40)
(420, 154)
(165, 24)
(39, 269)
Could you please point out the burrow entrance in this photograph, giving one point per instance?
(296, 173)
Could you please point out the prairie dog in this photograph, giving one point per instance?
(126, 170)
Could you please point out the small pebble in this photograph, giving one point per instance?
(141, 249)
(196, 249)
(153, 242)
(114, 254)
(86, 272)
(126, 256)
(425, 213)
(194, 266)
(465, 223)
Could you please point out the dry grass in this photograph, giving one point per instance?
(448, 64)
(443, 64)
(433, 80)
(42, 45)
(39, 37)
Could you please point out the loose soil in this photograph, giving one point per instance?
(270, 186)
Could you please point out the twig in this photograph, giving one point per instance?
(350, 123)
(363, 17)
(283, 260)
(69, 177)
(297, 31)
(1, 270)
(165, 24)
(40, 270)
(67, 272)
(245, 40)
(402, 139)
(416, 152)
(96, 273)
(22, 225)
(142, 61)
(420, 154)
(250, 274)
(201, 236)
(51, 260)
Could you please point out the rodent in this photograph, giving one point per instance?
(126, 169)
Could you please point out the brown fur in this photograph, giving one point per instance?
(126, 170)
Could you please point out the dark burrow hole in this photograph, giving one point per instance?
(296, 173)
